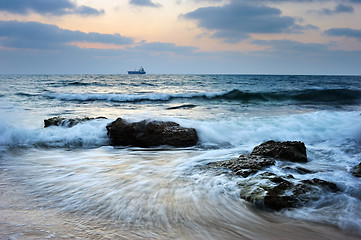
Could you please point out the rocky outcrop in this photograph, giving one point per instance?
(66, 122)
(288, 151)
(150, 133)
(271, 191)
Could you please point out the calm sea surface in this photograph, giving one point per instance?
(61, 183)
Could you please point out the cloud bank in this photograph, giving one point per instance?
(50, 7)
(35, 35)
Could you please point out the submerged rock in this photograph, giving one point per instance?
(150, 133)
(356, 171)
(288, 151)
(67, 122)
(271, 191)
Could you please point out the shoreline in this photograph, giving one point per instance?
(21, 219)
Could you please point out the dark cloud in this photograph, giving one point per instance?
(145, 3)
(344, 32)
(340, 8)
(34, 35)
(235, 21)
(52, 7)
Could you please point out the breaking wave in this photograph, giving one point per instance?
(325, 96)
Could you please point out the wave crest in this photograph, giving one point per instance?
(334, 96)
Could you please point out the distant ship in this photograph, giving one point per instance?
(139, 71)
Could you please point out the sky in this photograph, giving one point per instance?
(180, 36)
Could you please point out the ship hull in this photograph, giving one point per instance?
(135, 72)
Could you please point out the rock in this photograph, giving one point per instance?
(267, 190)
(286, 151)
(356, 171)
(299, 170)
(185, 106)
(150, 133)
(329, 186)
(67, 122)
(245, 165)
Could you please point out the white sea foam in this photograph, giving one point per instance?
(316, 127)
(118, 97)
(325, 127)
(88, 134)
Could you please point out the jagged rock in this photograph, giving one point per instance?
(289, 151)
(267, 190)
(245, 165)
(67, 122)
(356, 171)
(150, 133)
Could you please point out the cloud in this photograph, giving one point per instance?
(144, 3)
(34, 35)
(52, 7)
(276, 60)
(39, 36)
(345, 32)
(340, 8)
(292, 47)
(165, 48)
(234, 22)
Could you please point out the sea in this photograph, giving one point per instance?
(65, 182)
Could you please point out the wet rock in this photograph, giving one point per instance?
(276, 192)
(267, 190)
(245, 165)
(293, 151)
(67, 122)
(299, 170)
(356, 171)
(150, 133)
(185, 106)
(329, 186)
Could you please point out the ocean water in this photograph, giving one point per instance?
(61, 182)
